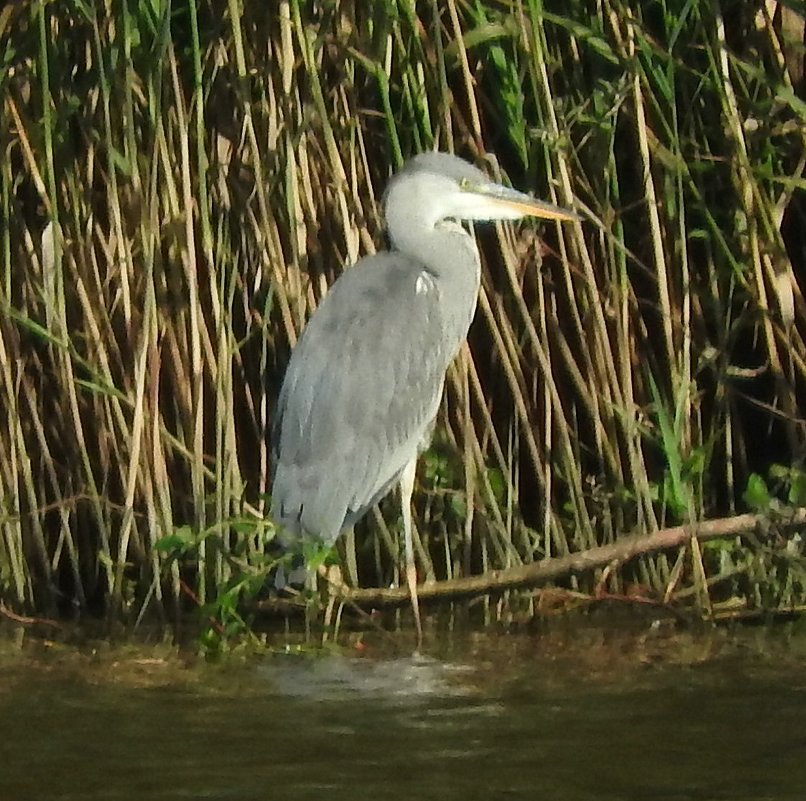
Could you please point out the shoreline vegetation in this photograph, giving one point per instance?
(182, 182)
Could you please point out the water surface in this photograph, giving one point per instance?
(574, 716)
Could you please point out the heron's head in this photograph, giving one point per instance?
(433, 187)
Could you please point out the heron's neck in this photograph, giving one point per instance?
(443, 246)
(450, 254)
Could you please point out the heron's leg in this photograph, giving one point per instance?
(406, 490)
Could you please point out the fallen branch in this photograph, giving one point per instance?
(538, 573)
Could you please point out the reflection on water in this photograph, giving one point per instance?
(513, 719)
(337, 677)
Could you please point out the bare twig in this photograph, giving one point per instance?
(26, 620)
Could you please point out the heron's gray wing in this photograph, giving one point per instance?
(360, 393)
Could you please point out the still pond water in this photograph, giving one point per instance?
(571, 716)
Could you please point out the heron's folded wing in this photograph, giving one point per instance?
(361, 390)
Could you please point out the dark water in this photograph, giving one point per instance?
(523, 717)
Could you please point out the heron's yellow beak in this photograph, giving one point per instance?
(531, 207)
(495, 202)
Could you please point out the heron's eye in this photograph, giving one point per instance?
(464, 184)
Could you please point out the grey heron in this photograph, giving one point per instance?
(364, 382)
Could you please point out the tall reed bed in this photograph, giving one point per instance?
(182, 181)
